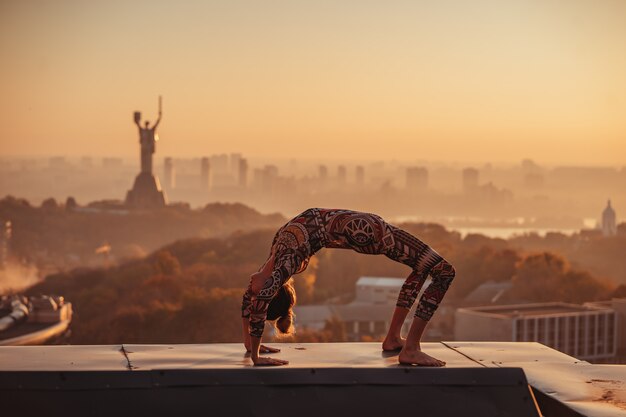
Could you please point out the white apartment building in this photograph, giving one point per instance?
(584, 331)
(368, 314)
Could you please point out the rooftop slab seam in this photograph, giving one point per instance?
(125, 353)
(463, 354)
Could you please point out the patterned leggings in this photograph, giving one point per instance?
(424, 260)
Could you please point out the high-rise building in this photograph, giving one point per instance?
(470, 179)
(360, 175)
(205, 173)
(609, 226)
(342, 174)
(243, 173)
(86, 162)
(221, 175)
(257, 177)
(57, 162)
(271, 171)
(266, 179)
(219, 163)
(416, 178)
(170, 173)
(533, 180)
(235, 159)
(323, 172)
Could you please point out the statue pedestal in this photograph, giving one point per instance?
(146, 192)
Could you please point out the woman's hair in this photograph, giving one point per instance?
(281, 308)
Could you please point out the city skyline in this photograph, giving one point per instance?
(525, 195)
(451, 81)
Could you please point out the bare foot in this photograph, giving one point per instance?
(392, 344)
(417, 357)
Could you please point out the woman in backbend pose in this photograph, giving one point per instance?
(270, 295)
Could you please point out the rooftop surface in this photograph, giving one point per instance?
(208, 356)
(577, 386)
(539, 309)
(381, 281)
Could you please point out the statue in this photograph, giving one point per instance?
(146, 192)
(147, 139)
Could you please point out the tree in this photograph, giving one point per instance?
(166, 263)
(70, 203)
(49, 204)
(548, 277)
(619, 292)
(538, 278)
(336, 329)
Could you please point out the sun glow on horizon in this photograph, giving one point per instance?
(452, 80)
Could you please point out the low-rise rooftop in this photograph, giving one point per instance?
(381, 281)
(536, 309)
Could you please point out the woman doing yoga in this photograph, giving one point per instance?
(270, 295)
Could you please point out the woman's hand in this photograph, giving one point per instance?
(262, 361)
(257, 348)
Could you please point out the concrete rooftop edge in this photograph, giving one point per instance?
(594, 390)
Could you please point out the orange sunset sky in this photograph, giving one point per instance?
(482, 80)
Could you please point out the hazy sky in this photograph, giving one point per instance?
(441, 80)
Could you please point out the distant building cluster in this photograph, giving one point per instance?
(368, 315)
(230, 177)
(593, 331)
(526, 196)
(196, 180)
